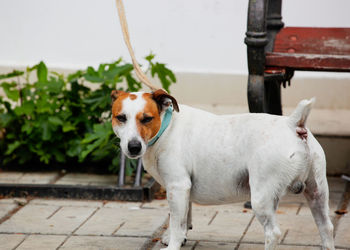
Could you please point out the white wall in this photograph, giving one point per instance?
(189, 35)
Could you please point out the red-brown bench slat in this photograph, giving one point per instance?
(320, 49)
(337, 63)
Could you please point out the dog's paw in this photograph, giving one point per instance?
(166, 238)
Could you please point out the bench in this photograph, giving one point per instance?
(275, 52)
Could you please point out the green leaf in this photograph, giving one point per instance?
(75, 76)
(5, 119)
(45, 158)
(133, 85)
(89, 149)
(130, 166)
(27, 127)
(27, 108)
(74, 148)
(59, 156)
(55, 120)
(41, 72)
(55, 85)
(150, 57)
(67, 126)
(11, 90)
(14, 73)
(12, 147)
(114, 71)
(165, 75)
(92, 76)
(97, 139)
(46, 132)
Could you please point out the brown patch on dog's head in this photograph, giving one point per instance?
(148, 121)
(132, 96)
(117, 106)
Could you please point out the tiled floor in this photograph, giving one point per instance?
(81, 224)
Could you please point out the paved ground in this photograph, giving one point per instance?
(81, 224)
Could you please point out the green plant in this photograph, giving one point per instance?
(63, 120)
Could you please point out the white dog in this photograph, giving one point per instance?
(210, 159)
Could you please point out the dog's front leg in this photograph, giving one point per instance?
(178, 196)
(166, 234)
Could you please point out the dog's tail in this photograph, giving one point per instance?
(297, 121)
(299, 116)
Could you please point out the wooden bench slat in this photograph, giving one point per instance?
(307, 40)
(340, 63)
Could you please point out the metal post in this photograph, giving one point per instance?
(121, 175)
(138, 175)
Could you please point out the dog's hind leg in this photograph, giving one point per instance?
(317, 195)
(264, 204)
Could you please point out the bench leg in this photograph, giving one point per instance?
(273, 97)
(256, 94)
(264, 96)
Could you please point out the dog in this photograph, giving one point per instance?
(218, 159)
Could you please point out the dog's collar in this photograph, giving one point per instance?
(165, 123)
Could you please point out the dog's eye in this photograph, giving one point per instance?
(121, 118)
(147, 119)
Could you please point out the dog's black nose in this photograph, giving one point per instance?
(134, 147)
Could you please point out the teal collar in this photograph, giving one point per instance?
(165, 123)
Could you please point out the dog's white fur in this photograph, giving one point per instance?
(212, 159)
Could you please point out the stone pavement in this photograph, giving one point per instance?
(42, 224)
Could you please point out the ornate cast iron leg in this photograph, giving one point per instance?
(256, 40)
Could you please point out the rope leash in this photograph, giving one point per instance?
(139, 73)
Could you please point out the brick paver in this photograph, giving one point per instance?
(342, 238)
(32, 178)
(202, 245)
(88, 179)
(39, 241)
(105, 243)
(5, 208)
(124, 221)
(280, 247)
(46, 219)
(218, 226)
(10, 177)
(295, 230)
(66, 203)
(10, 241)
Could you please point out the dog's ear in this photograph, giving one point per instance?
(163, 99)
(115, 94)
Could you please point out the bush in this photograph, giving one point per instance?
(60, 121)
